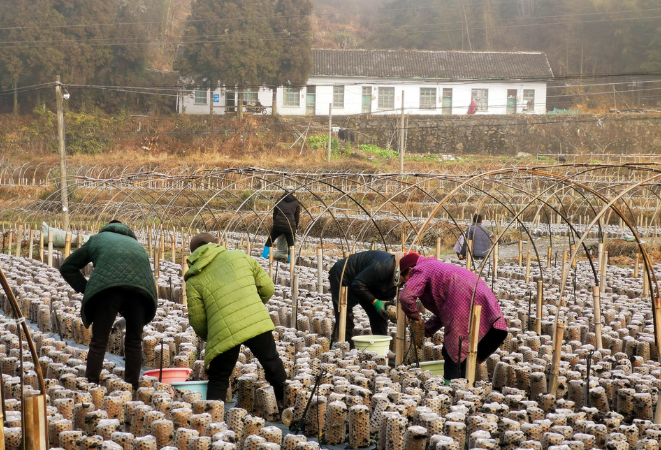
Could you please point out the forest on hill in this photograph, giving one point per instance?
(119, 54)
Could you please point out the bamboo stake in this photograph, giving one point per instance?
(19, 238)
(604, 271)
(41, 246)
(646, 280)
(292, 263)
(342, 326)
(157, 266)
(469, 254)
(438, 248)
(149, 243)
(79, 241)
(50, 247)
(597, 317)
(549, 252)
(635, 266)
(271, 274)
(572, 249)
(403, 241)
(400, 338)
(528, 264)
(657, 338)
(10, 242)
(540, 298)
(520, 252)
(31, 244)
(495, 261)
(557, 352)
(320, 270)
(564, 265)
(294, 302)
(35, 433)
(473, 338)
(173, 246)
(184, 269)
(67, 245)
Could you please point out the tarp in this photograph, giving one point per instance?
(59, 236)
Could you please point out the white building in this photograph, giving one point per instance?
(373, 81)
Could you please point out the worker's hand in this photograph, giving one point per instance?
(381, 308)
(417, 318)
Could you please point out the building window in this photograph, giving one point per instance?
(447, 101)
(528, 99)
(427, 98)
(200, 97)
(292, 97)
(338, 96)
(386, 98)
(481, 99)
(250, 96)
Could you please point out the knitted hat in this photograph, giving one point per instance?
(408, 261)
(201, 239)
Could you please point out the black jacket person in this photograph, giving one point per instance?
(370, 277)
(286, 214)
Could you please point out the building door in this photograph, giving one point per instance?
(367, 99)
(511, 101)
(230, 101)
(310, 100)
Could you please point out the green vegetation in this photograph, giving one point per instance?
(378, 151)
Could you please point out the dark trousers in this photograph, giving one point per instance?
(378, 324)
(263, 348)
(489, 343)
(103, 312)
(275, 233)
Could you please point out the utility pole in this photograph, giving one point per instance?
(330, 130)
(402, 140)
(63, 162)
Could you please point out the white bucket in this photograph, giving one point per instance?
(373, 343)
(436, 367)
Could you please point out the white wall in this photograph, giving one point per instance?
(461, 97)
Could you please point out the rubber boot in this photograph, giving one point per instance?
(265, 253)
(288, 258)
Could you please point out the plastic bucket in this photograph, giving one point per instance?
(193, 386)
(436, 367)
(171, 374)
(373, 343)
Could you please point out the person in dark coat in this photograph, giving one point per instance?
(480, 236)
(286, 214)
(122, 282)
(372, 278)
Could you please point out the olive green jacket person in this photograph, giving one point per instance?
(119, 261)
(226, 291)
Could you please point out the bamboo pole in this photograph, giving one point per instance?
(342, 326)
(271, 274)
(635, 266)
(657, 338)
(557, 353)
(400, 338)
(184, 269)
(9, 232)
(31, 244)
(67, 245)
(495, 261)
(157, 266)
(572, 250)
(646, 280)
(35, 433)
(173, 246)
(604, 271)
(549, 252)
(597, 317)
(473, 338)
(79, 241)
(540, 299)
(320, 270)
(564, 265)
(469, 254)
(50, 247)
(19, 238)
(403, 241)
(527, 264)
(438, 248)
(41, 246)
(292, 263)
(294, 302)
(149, 241)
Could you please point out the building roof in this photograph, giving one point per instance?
(449, 65)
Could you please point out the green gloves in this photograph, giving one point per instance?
(381, 308)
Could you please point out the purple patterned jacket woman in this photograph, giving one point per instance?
(446, 290)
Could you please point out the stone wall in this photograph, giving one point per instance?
(510, 135)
